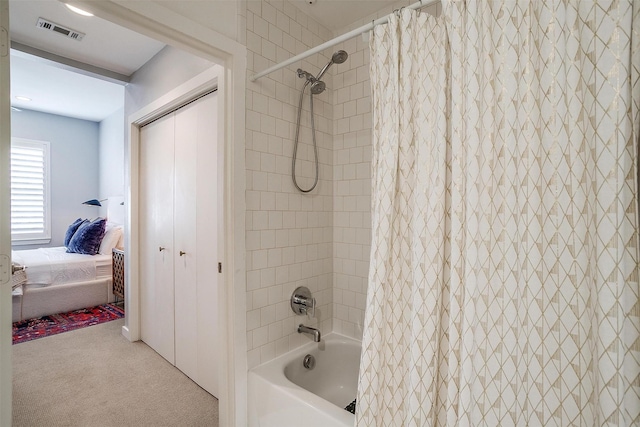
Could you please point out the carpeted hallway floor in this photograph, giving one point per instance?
(95, 377)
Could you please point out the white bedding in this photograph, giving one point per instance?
(54, 266)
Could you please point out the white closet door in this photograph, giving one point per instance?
(196, 235)
(156, 232)
(207, 241)
(185, 237)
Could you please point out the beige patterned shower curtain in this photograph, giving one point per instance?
(503, 288)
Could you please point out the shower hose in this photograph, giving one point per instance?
(295, 145)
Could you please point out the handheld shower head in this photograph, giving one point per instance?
(317, 87)
(337, 58)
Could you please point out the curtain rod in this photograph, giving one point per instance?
(351, 34)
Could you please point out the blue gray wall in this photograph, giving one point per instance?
(111, 157)
(168, 69)
(74, 165)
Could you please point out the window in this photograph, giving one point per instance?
(30, 192)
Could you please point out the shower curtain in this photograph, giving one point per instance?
(503, 287)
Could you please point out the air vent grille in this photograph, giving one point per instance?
(67, 32)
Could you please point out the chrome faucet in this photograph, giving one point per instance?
(307, 330)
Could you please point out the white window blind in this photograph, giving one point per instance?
(30, 192)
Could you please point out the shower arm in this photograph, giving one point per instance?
(324, 70)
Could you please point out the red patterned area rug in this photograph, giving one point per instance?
(40, 327)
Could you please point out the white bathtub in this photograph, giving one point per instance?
(284, 393)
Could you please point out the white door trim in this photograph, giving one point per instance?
(154, 20)
(6, 383)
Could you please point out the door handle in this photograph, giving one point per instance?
(182, 253)
(16, 267)
(161, 249)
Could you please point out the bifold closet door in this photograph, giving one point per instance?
(195, 234)
(156, 236)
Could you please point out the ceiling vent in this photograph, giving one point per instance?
(67, 32)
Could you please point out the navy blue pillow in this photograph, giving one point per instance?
(72, 229)
(87, 237)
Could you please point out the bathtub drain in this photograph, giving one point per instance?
(309, 362)
(351, 407)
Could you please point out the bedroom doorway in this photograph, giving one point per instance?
(229, 79)
(186, 34)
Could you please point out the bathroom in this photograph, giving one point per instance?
(321, 240)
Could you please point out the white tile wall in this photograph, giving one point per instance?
(321, 240)
(288, 234)
(352, 189)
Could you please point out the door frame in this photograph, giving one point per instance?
(154, 20)
(6, 299)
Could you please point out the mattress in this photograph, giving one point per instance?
(54, 266)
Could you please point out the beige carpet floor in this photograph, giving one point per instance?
(95, 377)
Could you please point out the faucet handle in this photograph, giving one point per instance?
(301, 301)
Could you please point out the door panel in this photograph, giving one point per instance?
(196, 226)
(156, 231)
(207, 246)
(185, 236)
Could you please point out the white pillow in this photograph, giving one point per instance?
(110, 239)
(120, 244)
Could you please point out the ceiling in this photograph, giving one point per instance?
(58, 90)
(62, 90)
(338, 14)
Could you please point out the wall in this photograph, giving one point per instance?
(352, 189)
(288, 234)
(74, 165)
(221, 16)
(111, 157)
(336, 218)
(218, 15)
(166, 70)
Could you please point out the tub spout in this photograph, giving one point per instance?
(308, 330)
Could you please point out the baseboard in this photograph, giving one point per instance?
(126, 333)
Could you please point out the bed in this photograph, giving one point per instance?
(60, 279)
(57, 281)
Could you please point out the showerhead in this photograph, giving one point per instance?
(317, 87)
(337, 58)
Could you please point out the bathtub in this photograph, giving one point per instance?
(283, 393)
